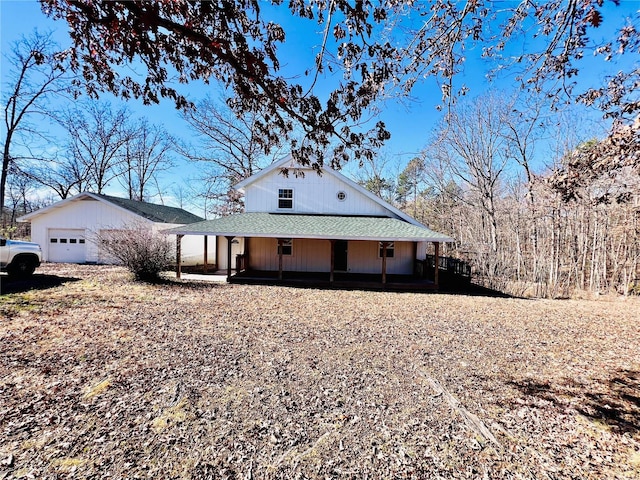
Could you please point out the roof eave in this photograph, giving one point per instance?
(30, 216)
(178, 231)
(240, 186)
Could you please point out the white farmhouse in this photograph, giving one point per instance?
(324, 225)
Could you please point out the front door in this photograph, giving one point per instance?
(340, 256)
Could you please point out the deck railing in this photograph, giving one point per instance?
(449, 269)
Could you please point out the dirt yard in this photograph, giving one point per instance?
(102, 377)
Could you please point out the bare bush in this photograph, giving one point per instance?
(142, 251)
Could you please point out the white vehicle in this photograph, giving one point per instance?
(19, 259)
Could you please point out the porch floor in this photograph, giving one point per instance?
(348, 281)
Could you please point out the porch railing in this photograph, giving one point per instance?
(450, 270)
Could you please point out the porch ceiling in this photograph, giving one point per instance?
(276, 225)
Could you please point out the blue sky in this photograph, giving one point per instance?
(409, 122)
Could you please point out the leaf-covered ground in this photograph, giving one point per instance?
(103, 377)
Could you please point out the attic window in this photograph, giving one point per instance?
(341, 196)
(285, 198)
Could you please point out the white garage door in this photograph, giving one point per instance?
(67, 246)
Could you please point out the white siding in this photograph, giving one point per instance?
(88, 216)
(191, 247)
(236, 249)
(421, 252)
(315, 256)
(311, 194)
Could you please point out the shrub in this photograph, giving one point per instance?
(145, 253)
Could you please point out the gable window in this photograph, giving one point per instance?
(390, 249)
(287, 247)
(285, 198)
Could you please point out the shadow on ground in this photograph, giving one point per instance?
(35, 282)
(474, 290)
(614, 401)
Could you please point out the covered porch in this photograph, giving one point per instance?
(322, 250)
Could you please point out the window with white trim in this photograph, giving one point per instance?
(390, 249)
(285, 198)
(287, 247)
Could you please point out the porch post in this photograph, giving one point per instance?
(205, 268)
(436, 278)
(415, 257)
(229, 240)
(246, 252)
(384, 261)
(218, 257)
(179, 255)
(333, 260)
(280, 243)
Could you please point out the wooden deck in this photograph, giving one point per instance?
(343, 281)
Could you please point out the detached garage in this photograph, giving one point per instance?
(65, 229)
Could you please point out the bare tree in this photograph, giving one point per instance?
(524, 127)
(229, 143)
(20, 197)
(36, 74)
(230, 146)
(146, 154)
(97, 137)
(471, 145)
(65, 176)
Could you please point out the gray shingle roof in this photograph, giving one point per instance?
(276, 225)
(152, 211)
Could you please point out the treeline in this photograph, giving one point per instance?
(553, 248)
(572, 228)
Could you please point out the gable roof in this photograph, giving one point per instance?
(291, 164)
(154, 212)
(149, 211)
(280, 225)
